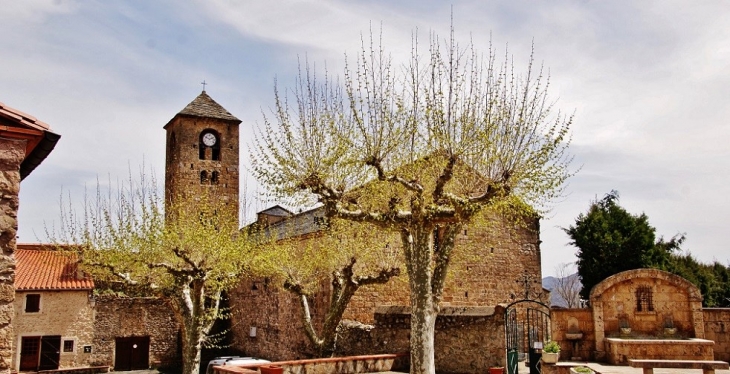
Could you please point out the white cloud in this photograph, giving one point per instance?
(648, 82)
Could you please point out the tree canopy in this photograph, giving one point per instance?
(611, 240)
(415, 150)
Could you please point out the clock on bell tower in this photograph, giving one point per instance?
(202, 153)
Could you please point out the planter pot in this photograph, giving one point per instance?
(496, 370)
(575, 371)
(271, 369)
(550, 358)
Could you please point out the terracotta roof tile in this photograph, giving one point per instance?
(22, 119)
(47, 269)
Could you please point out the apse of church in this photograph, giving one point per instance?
(202, 152)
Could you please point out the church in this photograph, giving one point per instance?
(203, 146)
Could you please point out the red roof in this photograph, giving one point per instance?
(40, 269)
(19, 118)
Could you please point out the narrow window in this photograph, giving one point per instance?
(214, 177)
(68, 345)
(32, 303)
(644, 302)
(171, 148)
(203, 177)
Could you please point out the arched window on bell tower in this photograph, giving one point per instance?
(209, 145)
(203, 177)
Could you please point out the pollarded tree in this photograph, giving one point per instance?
(187, 259)
(339, 253)
(416, 150)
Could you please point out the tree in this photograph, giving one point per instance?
(341, 254)
(567, 285)
(413, 151)
(713, 280)
(187, 258)
(611, 240)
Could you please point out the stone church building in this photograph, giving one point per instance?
(203, 146)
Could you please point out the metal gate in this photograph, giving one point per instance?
(527, 325)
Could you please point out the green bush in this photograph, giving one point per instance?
(551, 347)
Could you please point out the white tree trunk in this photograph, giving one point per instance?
(423, 309)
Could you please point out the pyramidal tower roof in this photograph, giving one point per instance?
(204, 106)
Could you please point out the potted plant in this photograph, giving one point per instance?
(581, 370)
(550, 352)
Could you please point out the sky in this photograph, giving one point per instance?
(647, 81)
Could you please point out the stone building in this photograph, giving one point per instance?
(24, 143)
(54, 311)
(202, 159)
(60, 323)
(493, 257)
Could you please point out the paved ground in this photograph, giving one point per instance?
(599, 368)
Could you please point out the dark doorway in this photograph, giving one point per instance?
(40, 352)
(132, 353)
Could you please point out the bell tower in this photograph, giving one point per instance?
(202, 153)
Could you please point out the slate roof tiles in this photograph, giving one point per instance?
(205, 106)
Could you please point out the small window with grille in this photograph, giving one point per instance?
(68, 346)
(644, 299)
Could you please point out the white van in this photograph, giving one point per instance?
(233, 360)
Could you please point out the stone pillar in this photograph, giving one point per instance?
(12, 153)
(598, 329)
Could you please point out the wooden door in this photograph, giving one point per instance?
(30, 348)
(132, 353)
(50, 352)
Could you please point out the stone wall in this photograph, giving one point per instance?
(65, 313)
(12, 153)
(487, 262)
(717, 329)
(468, 339)
(276, 316)
(182, 172)
(573, 320)
(125, 317)
(670, 297)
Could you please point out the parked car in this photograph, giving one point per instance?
(233, 360)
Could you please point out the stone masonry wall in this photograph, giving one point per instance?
(12, 153)
(125, 317)
(276, 316)
(487, 263)
(717, 329)
(467, 340)
(65, 313)
(573, 320)
(182, 173)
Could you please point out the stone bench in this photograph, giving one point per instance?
(78, 370)
(708, 367)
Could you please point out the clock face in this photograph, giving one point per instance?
(209, 139)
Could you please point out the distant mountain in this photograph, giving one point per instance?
(550, 283)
